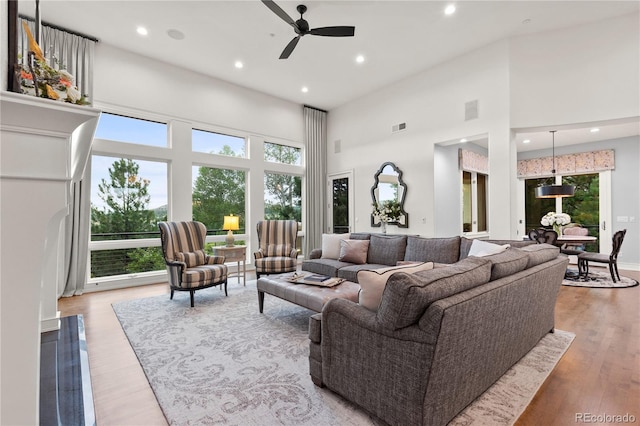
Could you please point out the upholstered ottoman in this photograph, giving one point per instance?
(309, 296)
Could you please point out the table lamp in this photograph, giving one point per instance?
(231, 223)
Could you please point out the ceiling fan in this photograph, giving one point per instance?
(301, 27)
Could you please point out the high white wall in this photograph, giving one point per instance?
(575, 75)
(125, 79)
(514, 81)
(433, 106)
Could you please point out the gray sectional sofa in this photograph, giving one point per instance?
(388, 250)
(439, 337)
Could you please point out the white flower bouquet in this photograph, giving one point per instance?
(387, 211)
(556, 220)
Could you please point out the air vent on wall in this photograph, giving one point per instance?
(470, 110)
(398, 127)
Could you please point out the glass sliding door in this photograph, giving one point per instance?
(584, 207)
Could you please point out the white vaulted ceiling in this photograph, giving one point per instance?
(398, 39)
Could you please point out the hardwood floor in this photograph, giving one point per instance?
(599, 375)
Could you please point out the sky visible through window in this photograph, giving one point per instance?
(154, 171)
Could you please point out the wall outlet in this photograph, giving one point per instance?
(632, 218)
(622, 219)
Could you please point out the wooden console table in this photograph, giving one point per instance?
(234, 254)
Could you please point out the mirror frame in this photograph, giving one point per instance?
(402, 223)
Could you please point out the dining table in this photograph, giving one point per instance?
(575, 239)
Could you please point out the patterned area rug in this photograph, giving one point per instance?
(224, 363)
(596, 279)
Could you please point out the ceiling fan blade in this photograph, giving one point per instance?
(333, 31)
(281, 13)
(287, 50)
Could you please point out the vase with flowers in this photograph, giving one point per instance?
(38, 78)
(386, 211)
(556, 220)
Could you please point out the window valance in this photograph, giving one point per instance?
(583, 162)
(473, 161)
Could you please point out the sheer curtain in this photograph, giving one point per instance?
(74, 53)
(315, 127)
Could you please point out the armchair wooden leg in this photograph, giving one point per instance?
(191, 293)
(615, 266)
(225, 288)
(171, 297)
(260, 300)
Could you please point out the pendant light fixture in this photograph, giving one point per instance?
(554, 191)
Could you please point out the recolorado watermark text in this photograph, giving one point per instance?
(605, 418)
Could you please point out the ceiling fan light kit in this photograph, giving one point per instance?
(301, 27)
(554, 191)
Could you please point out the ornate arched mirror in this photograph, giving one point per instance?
(389, 187)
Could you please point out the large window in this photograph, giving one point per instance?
(217, 143)
(218, 193)
(282, 196)
(583, 207)
(138, 179)
(128, 198)
(474, 202)
(132, 130)
(284, 154)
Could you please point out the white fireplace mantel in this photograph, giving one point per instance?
(44, 147)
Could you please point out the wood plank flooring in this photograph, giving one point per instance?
(599, 374)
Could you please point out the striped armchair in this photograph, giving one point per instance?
(189, 267)
(277, 247)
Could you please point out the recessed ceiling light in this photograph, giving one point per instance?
(305, 89)
(450, 10)
(142, 31)
(594, 130)
(359, 59)
(526, 141)
(239, 64)
(175, 34)
(463, 140)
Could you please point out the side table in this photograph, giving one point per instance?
(234, 254)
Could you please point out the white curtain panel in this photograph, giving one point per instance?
(315, 127)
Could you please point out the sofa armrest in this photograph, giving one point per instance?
(315, 253)
(365, 362)
(258, 254)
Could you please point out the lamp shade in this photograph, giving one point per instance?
(231, 223)
(555, 191)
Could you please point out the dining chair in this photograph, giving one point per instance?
(573, 248)
(612, 259)
(542, 235)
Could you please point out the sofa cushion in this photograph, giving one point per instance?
(331, 245)
(191, 258)
(373, 282)
(481, 248)
(440, 250)
(328, 267)
(465, 244)
(407, 296)
(350, 272)
(540, 253)
(387, 249)
(507, 263)
(353, 251)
